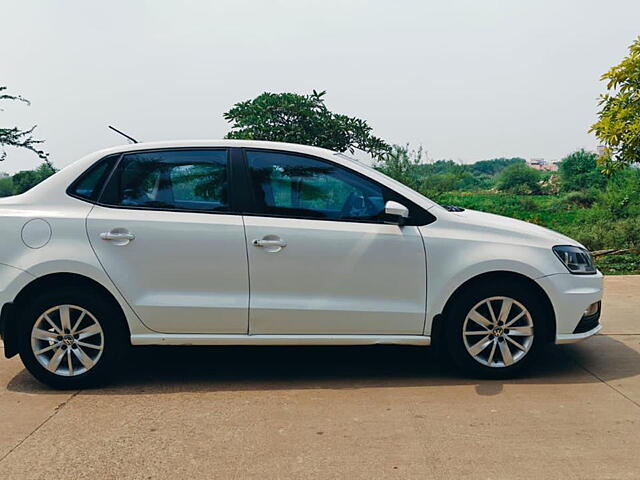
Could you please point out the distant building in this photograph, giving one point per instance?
(4, 175)
(542, 165)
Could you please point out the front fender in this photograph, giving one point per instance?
(453, 258)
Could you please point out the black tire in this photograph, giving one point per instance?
(103, 309)
(472, 296)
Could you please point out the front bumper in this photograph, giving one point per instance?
(576, 337)
(570, 296)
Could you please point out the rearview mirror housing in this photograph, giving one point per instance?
(396, 210)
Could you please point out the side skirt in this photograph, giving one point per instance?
(224, 339)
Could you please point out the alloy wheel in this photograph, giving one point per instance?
(67, 340)
(498, 332)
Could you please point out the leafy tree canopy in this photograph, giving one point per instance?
(519, 178)
(494, 166)
(27, 179)
(579, 171)
(6, 187)
(303, 119)
(619, 125)
(15, 137)
(401, 163)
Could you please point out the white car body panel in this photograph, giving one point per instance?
(183, 273)
(463, 245)
(336, 278)
(459, 246)
(68, 250)
(570, 296)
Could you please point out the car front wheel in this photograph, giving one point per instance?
(496, 330)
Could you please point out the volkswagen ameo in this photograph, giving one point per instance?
(258, 243)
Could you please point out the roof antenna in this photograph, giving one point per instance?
(131, 139)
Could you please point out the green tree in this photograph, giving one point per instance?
(494, 166)
(520, 179)
(439, 183)
(303, 119)
(618, 127)
(401, 164)
(6, 187)
(15, 137)
(621, 197)
(27, 179)
(579, 171)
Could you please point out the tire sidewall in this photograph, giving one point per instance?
(469, 299)
(104, 312)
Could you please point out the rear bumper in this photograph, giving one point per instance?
(8, 330)
(11, 281)
(570, 296)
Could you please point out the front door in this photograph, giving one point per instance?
(164, 234)
(322, 259)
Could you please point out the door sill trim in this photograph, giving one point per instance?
(226, 339)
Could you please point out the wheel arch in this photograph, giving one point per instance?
(437, 327)
(11, 312)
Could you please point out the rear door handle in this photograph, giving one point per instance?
(118, 237)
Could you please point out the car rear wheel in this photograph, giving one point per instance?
(496, 330)
(71, 339)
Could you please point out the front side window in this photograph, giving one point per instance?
(190, 180)
(287, 184)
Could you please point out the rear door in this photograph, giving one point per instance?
(165, 233)
(322, 258)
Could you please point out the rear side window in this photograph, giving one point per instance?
(89, 185)
(187, 180)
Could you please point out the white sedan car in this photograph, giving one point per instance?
(258, 243)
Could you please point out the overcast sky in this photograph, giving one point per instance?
(468, 80)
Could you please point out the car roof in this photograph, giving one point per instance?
(292, 147)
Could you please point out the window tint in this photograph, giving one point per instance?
(88, 186)
(194, 180)
(293, 185)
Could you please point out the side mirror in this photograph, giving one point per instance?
(396, 210)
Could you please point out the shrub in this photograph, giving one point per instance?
(401, 164)
(438, 183)
(621, 198)
(528, 204)
(6, 187)
(520, 179)
(584, 199)
(579, 171)
(27, 179)
(603, 234)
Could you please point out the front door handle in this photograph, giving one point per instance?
(118, 236)
(270, 243)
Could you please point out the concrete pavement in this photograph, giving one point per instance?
(367, 412)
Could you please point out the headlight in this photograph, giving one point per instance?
(577, 260)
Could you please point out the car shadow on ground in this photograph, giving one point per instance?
(160, 370)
